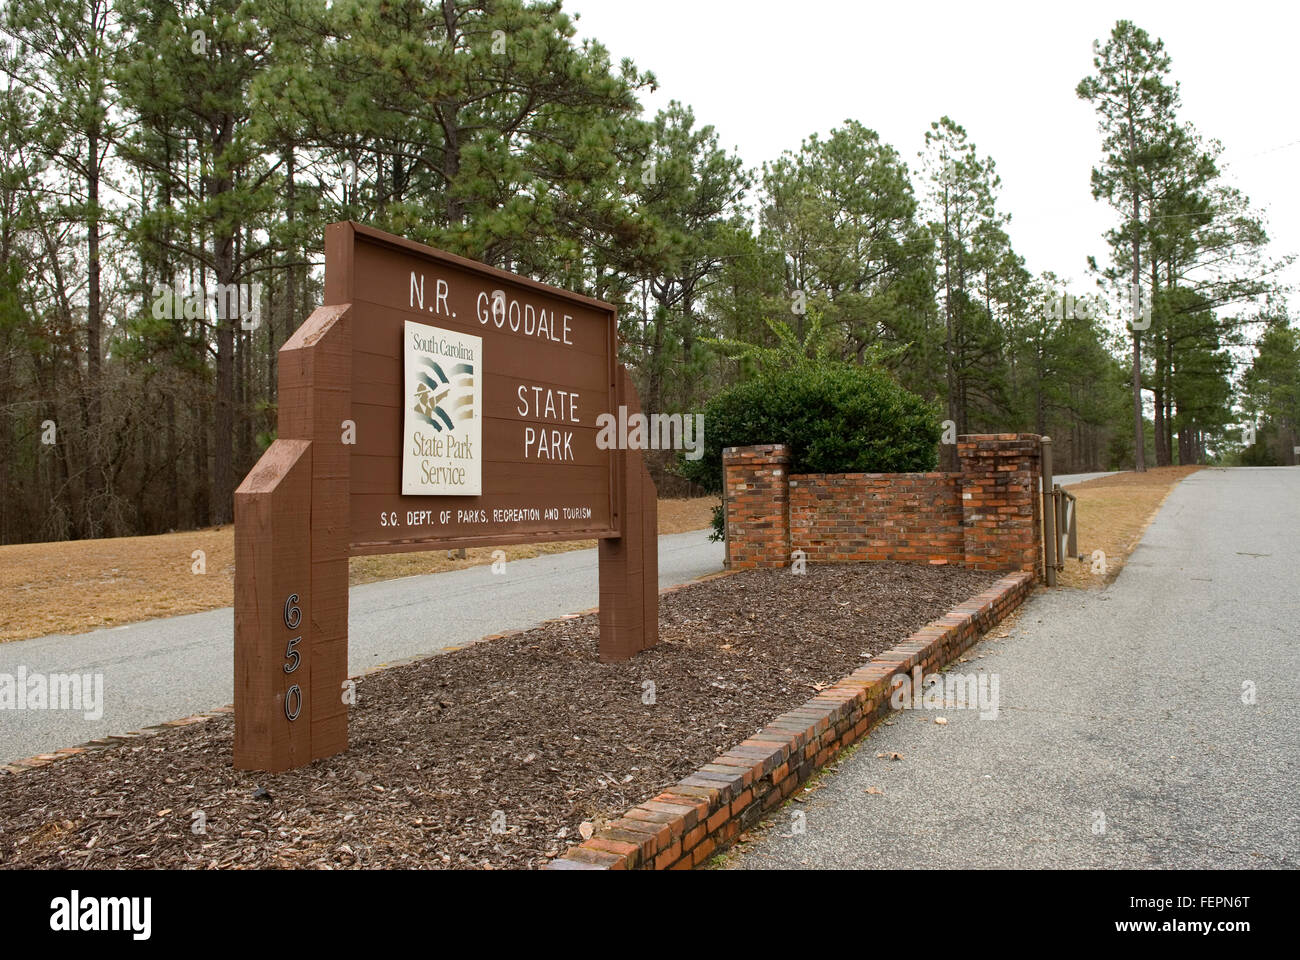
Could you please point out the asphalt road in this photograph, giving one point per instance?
(164, 669)
(1068, 479)
(1122, 738)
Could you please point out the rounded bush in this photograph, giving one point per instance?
(834, 417)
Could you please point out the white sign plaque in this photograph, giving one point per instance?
(442, 433)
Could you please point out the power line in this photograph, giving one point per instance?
(1269, 150)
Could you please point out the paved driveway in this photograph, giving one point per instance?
(1069, 479)
(164, 669)
(1122, 738)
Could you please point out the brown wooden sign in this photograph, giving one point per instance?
(432, 402)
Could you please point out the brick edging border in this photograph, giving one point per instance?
(689, 822)
(119, 739)
(109, 742)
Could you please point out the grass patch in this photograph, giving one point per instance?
(73, 586)
(1113, 513)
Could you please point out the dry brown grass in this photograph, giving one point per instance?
(1113, 513)
(75, 586)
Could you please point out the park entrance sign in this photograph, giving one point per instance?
(431, 403)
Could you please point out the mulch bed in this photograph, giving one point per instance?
(489, 756)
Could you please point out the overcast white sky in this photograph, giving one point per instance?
(767, 74)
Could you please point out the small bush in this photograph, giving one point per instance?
(834, 417)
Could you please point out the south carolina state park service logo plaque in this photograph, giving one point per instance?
(442, 428)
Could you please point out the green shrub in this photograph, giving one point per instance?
(834, 417)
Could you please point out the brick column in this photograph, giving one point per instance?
(757, 484)
(1001, 506)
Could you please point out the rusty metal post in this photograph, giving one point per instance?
(1049, 515)
(1073, 527)
(726, 532)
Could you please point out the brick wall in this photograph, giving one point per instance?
(757, 497)
(907, 517)
(988, 516)
(1001, 501)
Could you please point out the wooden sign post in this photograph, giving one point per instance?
(431, 403)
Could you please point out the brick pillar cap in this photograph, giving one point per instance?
(766, 451)
(986, 437)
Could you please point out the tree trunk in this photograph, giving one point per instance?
(202, 493)
(1169, 398)
(948, 451)
(93, 317)
(451, 130)
(1139, 434)
(171, 514)
(1161, 452)
(223, 256)
(244, 390)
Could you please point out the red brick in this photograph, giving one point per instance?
(669, 856)
(741, 802)
(630, 852)
(601, 858)
(703, 851)
(694, 836)
(659, 833)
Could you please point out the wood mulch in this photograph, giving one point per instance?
(497, 755)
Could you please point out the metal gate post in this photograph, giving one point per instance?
(1049, 515)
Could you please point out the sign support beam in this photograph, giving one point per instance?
(291, 540)
(629, 565)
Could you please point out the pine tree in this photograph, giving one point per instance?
(1136, 107)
